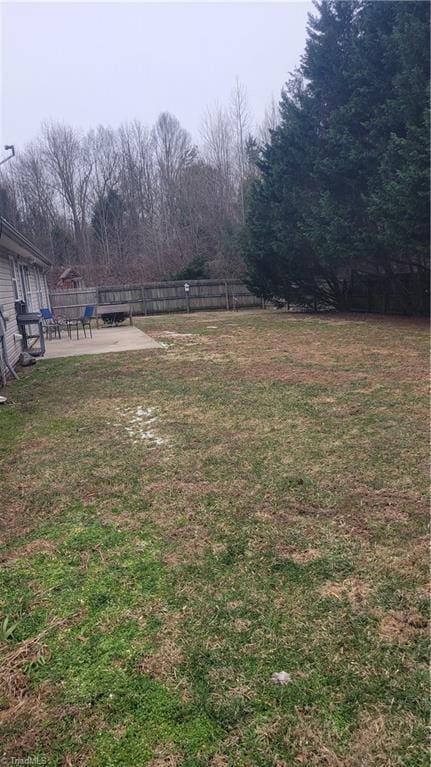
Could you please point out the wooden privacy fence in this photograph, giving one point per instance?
(405, 293)
(157, 297)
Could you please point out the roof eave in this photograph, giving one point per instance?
(8, 232)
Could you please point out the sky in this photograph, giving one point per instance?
(105, 63)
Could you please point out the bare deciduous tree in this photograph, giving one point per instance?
(138, 202)
(270, 121)
(241, 123)
(68, 158)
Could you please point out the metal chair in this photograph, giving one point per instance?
(81, 322)
(86, 319)
(50, 324)
(73, 324)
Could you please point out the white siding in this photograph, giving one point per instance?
(45, 290)
(33, 303)
(7, 304)
(38, 290)
(43, 298)
(7, 299)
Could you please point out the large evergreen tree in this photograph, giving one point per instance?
(344, 180)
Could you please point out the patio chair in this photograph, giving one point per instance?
(51, 325)
(81, 322)
(86, 319)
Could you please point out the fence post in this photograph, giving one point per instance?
(187, 295)
(144, 302)
(227, 295)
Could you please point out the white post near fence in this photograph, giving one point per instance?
(187, 292)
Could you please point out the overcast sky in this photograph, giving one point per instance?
(92, 63)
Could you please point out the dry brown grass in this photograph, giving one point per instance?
(37, 546)
(21, 702)
(352, 589)
(300, 556)
(166, 756)
(291, 438)
(401, 626)
(374, 743)
(163, 661)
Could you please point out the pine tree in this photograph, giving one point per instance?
(398, 204)
(344, 179)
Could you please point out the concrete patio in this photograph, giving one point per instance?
(104, 341)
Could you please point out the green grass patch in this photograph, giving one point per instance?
(276, 520)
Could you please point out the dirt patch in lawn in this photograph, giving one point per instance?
(32, 712)
(166, 756)
(38, 546)
(282, 373)
(21, 701)
(352, 589)
(163, 662)
(401, 626)
(173, 334)
(375, 738)
(409, 558)
(14, 662)
(363, 509)
(300, 556)
(186, 542)
(414, 374)
(19, 516)
(372, 744)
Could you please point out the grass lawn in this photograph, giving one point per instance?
(180, 524)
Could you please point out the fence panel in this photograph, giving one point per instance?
(71, 303)
(122, 294)
(405, 293)
(157, 297)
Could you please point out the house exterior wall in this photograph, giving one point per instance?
(7, 306)
(39, 289)
(38, 294)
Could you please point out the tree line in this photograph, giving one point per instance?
(138, 202)
(324, 204)
(340, 209)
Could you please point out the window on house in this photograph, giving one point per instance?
(25, 278)
(39, 289)
(16, 280)
(28, 292)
